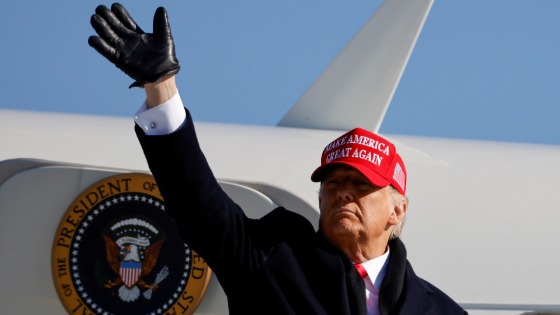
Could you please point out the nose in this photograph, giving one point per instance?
(344, 192)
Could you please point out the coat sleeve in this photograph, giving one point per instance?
(209, 221)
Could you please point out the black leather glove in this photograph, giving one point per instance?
(144, 57)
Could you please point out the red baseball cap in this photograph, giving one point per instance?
(373, 156)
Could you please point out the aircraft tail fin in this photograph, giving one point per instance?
(356, 88)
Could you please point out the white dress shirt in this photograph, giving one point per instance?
(376, 269)
(162, 119)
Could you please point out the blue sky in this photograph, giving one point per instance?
(481, 69)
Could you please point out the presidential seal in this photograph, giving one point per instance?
(117, 252)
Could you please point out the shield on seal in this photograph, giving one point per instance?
(130, 272)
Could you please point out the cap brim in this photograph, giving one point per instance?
(376, 179)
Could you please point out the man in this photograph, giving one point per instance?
(277, 264)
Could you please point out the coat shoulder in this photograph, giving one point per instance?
(441, 303)
(281, 225)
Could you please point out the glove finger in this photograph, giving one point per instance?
(103, 48)
(104, 30)
(125, 18)
(162, 30)
(113, 22)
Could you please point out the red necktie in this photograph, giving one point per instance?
(361, 270)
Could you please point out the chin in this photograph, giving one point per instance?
(342, 227)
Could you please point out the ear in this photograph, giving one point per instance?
(397, 213)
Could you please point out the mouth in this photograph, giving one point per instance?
(342, 211)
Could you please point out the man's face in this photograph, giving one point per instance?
(353, 209)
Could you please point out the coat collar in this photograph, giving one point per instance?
(401, 290)
(393, 283)
(355, 285)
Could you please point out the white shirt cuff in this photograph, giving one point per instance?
(162, 119)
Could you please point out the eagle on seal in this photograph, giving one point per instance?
(125, 260)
